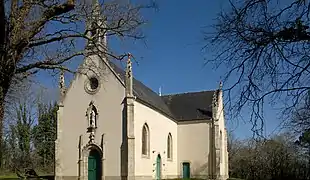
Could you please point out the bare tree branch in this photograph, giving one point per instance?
(49, 34)
(265, 46)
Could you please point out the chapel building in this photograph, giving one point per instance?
(110, 126)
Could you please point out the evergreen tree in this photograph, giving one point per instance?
(44, 135)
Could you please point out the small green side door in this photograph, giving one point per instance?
(94, 165)
(158, 167)
(186, 170)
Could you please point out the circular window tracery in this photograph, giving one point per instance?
(92, 85)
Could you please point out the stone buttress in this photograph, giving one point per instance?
(215, 137)
(129, 103)
(58, 162)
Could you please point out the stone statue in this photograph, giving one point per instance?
(92, 118)
(91, 115)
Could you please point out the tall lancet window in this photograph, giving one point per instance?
(145, 140)
(169, 147)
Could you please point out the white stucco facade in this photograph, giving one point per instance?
(193, 147)
(73, 123)
(159, 128)
(110, 126)
(120, 118)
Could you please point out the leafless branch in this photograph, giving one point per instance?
(50, 34)
(265, 46)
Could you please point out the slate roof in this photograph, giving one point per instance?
(190, 106)
(180, 107)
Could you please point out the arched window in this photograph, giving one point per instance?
(169, 146)
(145, 140)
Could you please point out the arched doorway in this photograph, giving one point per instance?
(158, 167)
(94, 165)
(186, 170)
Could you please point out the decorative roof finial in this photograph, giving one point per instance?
(159, 91)
(62, 86)
(95, 24)
(221, 85)
(214, 105)
(129, 66)
(129, 78)
(214, 99)
(62, 79)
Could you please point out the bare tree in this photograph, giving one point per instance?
(300, 120)
(273, 158)
(49, 34)
(265, 46)
(30, 109)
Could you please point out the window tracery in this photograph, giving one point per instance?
(169, 146)
(145, 140)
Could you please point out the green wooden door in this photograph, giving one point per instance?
(186, 170)
(94, 165)
(158, 167)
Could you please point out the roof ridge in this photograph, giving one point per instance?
(190, 92)
(145, 93)
(135, 79)
(173, 106)
(114, 66)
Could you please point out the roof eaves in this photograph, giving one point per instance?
(80, 68)
(192, 121)
(184, 93)
(73, 79)
(114, 72)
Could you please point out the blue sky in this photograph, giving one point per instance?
(172, 57)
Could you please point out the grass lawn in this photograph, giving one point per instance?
(14, 176)
(11, 176)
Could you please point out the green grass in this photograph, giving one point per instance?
(14, 176)
(7, 177)
(11, 176)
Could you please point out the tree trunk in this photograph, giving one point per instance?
(4, 86)
(1, 124)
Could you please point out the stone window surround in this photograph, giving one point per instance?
(87, 85)
(146, 127)
(169, 143)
